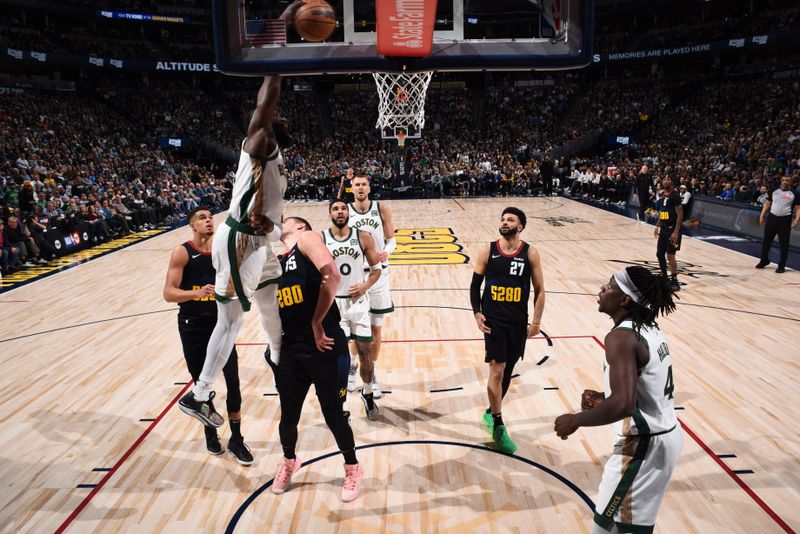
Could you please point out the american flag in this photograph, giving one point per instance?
(261, 32)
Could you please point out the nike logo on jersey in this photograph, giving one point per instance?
(195, 256)
(495, 256)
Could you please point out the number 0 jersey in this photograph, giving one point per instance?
(349, 258)
(655, 404)
(508, 285)
(298, 293)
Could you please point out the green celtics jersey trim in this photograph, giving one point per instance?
(655, 404)
(369, 220)
(349, 257)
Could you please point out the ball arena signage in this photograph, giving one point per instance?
(405, 27)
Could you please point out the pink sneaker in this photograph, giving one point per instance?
(284, 475)
(352, 481)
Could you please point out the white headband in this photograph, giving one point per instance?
(626, 285)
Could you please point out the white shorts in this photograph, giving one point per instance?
(635, 479)
(244, 264)
(380, 300)
(355, 318)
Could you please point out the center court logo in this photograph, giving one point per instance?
(427, 246)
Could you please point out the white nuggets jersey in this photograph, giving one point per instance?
(371, 221)
(349, 258)
(655, 405)
(247, 192)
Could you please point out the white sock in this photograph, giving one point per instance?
(367, 388)
(230, 317)
(270, 319)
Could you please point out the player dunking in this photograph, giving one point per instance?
(509, 266)
(637, 399)
(189, 282)
(305, 296)
(247, 269)
(366, 214)
(349, 247)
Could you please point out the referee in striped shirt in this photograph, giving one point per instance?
(776, 216)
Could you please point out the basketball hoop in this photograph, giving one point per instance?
(401, 105)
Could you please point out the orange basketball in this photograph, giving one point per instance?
(315, 20)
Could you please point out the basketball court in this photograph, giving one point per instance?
(93, 441)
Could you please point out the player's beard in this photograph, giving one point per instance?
(338, 224)
(509, 232)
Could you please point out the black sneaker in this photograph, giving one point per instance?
(240, 451)
(212, 441)
(674, 285)
(780, 270)
(762, 264)
(370, 407)
(203, 411)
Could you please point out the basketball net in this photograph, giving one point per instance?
(401, 104)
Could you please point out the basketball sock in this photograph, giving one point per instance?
(270, 319)
(498, 419)
(367, 389)
(370, 401)
(209, 431)
(229, 320)
(236, 428)
(288, 453)
(350, 456)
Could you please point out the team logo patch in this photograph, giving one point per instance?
(427, 246)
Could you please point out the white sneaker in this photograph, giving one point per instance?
(376, 388)
(351, 378)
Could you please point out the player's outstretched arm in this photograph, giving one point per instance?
(264, 114)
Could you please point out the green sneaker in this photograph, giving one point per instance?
(503, 440)
(488, 420)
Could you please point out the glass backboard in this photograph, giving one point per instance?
(251, 39)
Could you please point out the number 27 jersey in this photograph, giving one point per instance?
(508, 286)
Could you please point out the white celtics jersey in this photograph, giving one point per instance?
(371, 221)
(349, 258)
(247, 194)
(655, 405)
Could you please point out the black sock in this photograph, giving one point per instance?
(288, 453)
(498, 419)
(369, 398)
(209, 431)
(236, 428)
(350, 456)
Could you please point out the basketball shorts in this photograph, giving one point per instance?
(506, 343)
(380, 300)
(244, 264)
(635, 479)
(664, 244)
(355, 318)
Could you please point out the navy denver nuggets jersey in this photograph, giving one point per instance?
(508, 285)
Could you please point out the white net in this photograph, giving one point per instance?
(401, 104)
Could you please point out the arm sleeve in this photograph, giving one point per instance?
(390, 245)
(475, 292)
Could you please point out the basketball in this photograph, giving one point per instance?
(315, 20)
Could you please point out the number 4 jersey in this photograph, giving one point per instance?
(655, 404)
(298, 293)
(508, 286)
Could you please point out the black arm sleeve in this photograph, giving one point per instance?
(475, 292)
